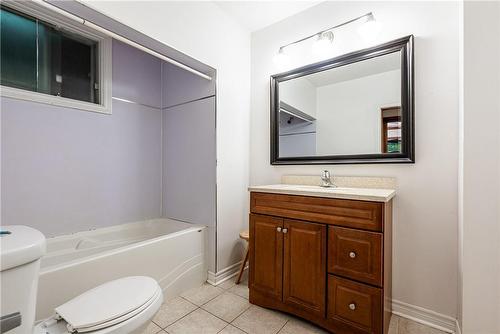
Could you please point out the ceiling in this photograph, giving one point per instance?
(255, 15)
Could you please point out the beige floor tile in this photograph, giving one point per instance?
(227, 306)
(406, 326)
(393, 326)
(202, 294)
(152, 329)
(295, 325)
(240, 289)
(258, 320)
(172, 311)
(197, 322)
(227, 284)
(230, 329)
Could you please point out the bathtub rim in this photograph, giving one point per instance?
(88, 258)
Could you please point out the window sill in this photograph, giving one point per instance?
(59, 101)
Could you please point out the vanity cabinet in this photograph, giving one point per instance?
(327, 260)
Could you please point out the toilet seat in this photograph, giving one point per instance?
(117, 307)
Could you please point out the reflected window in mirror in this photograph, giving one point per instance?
(391, 130)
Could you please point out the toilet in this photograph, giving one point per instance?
(122, 306)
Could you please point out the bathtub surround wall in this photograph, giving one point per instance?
(189, 151)
(425, 208)
(120, 166)
(137, 76)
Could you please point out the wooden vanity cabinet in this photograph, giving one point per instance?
(325, 260)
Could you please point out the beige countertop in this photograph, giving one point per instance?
(362, 194)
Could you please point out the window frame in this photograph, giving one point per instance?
(104, 68)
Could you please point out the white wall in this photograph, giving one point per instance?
(480, 170)
(339, 130)
(425, 208)
(205, 32)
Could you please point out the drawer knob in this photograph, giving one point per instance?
(278, 229)
(352, 255)
(285, 230)
(352, 306)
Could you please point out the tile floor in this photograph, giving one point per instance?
(225, 309)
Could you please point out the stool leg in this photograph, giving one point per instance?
(242, 268)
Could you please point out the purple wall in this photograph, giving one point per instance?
(65, 170)
(181, 86)
(136, 75)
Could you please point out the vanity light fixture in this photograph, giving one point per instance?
(323, 42)
(324, 38)
(281, 58)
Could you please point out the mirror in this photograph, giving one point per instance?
(356, 108)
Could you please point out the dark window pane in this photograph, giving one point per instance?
(66, 64)
(77, 59)
(46, 58)
(18, 51)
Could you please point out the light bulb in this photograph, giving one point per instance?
(323, 44)
(370, 28)
(281, 59)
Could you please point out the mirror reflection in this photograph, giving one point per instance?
(346, 110)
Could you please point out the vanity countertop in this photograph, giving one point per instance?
(361, 194)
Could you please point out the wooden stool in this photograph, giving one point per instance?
(245, 235)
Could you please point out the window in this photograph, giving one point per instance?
(52, 60)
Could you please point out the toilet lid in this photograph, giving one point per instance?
(109, 303)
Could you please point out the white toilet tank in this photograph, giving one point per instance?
(21, 249)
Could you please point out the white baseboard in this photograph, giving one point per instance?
(224, 274)
(425, 316)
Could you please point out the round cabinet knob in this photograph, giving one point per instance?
(352, 255)
(285, 230)
(352, 306)
(278, 229)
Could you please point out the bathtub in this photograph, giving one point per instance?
(170, 251)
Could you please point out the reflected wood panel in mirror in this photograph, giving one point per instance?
(355, 108)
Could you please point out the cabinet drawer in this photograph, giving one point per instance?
(355, 304)
(355, 254)
(348, 213)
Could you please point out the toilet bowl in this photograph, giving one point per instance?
(122, 306)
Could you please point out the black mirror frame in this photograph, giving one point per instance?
(407, 155)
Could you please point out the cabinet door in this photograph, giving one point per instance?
(305, 266)
(266, 255)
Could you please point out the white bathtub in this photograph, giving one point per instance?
(170, 251)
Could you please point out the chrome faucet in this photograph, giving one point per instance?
(326, 180)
